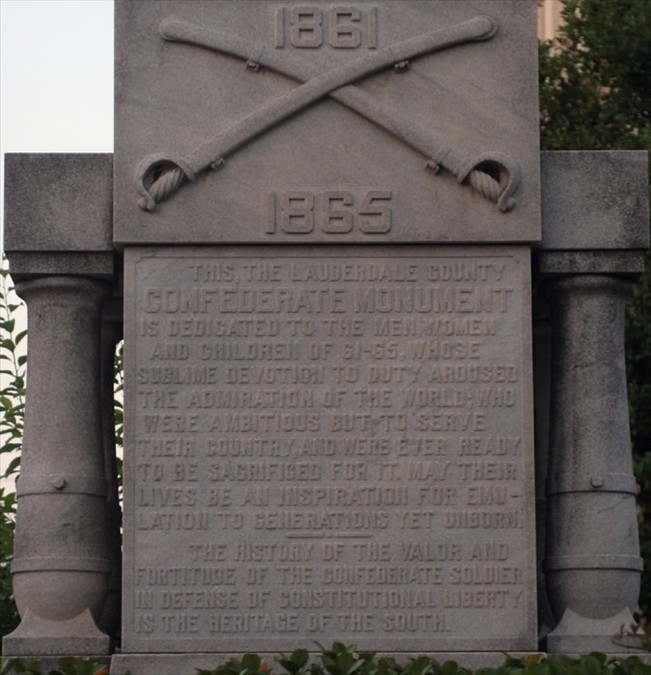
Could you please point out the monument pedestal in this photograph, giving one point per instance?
(329, 367)
(187, 664)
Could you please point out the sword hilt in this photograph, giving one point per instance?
(158, 177)
(495, 176)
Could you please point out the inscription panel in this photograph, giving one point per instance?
(327, 447)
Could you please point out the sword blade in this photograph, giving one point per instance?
(335, 83)
(320, 85)
(391, 120)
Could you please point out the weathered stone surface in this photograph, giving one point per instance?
(58, 202)
(618, 263)
(301, 166)
(592, 561)
(177, 664)
(25, 265)
(326, 447)
(60, 566)
(595, 230)
(595, 200)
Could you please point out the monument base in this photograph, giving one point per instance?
(577, 634)
(187, 664)
(52, 663)
(37, 637)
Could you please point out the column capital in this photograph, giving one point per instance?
(88, 290)
(595, 213)
(59, 215)
(595, 200)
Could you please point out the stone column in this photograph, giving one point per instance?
(592, 551)
(595, 231)
(58, 238)
(60, 568)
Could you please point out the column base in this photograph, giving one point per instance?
(36, 637)
(576, 634)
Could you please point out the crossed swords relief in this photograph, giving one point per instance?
(494, 175)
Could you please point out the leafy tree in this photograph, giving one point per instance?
(595, 94)
(12, 406)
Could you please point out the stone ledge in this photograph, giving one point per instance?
(595, 200)
(58, 202)
(186, 664)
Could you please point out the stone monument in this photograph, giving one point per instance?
(338, 259)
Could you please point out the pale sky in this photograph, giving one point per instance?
(56, 79)
(56, 76)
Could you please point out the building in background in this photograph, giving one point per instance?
(549, 18)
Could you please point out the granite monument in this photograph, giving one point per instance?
(349, 284)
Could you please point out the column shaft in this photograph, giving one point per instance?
(592, 564)
(60, 568)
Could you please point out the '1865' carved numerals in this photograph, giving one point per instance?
(340, 27)
(330, 212)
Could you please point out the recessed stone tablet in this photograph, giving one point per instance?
(326, 446)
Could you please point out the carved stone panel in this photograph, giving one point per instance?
(271, 122)
(324, 447)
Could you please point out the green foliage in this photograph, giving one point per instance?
(11, 666)
(595, 78)
(341, 659)
(12, 370)
(73, 666)
(12, 411)
(67, 666)
(9, 614)
(249, 664)
(118, 408)
(118, 389)
(296, 662)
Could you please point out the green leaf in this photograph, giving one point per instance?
(251, 662)
(12, 468)
(450, 668)
(6, 402)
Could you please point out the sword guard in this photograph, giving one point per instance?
(494, 175)
(254, 61)
(158, 177)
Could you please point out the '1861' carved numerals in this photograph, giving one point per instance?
(330, 211)
(340, 27)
